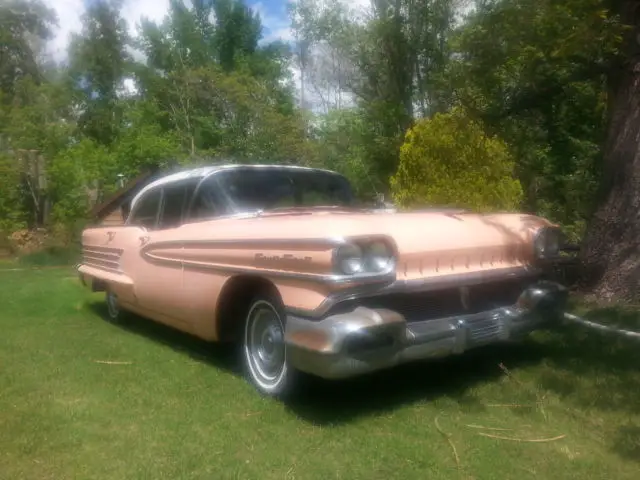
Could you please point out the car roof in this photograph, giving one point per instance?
(205, 171)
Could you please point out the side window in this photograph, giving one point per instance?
(146, 211)
(172, 205)
(206, 203)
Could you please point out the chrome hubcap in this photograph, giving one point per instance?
(264, 346)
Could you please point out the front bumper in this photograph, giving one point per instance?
(368, 339)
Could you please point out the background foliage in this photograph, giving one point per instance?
(379, 98)
(448, 160)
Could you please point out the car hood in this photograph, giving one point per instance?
(435, 241)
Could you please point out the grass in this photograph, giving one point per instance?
(178, 409)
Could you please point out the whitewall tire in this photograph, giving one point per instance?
(264, 352)
(113, 307)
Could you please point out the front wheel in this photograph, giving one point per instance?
(263, 348)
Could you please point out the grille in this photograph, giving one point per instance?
(420, 306)
(102, 257)
(482, 331)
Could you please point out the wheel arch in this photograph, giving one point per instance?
(233, 303)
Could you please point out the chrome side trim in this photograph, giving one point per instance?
(103, 249)
(240, 243)
(368, 278)
(419, 285)
(103, 263)
(101, 267)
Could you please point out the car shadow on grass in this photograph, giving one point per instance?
(328, 402)
(626, 442)
(585, 368)
(596, 369)
(454, 378)
(222, 356)
(600, 372)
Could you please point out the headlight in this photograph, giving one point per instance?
(378, 257)
(348, 258)
(547, 242)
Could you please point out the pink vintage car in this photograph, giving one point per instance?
(281, 260)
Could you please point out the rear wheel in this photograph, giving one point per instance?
(113, 307)
(264, 351)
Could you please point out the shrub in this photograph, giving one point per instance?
(53, 255)
(448, 160)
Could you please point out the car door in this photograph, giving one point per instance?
(159, 284)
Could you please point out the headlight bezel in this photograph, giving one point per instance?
(348, 259)
(547, 243)
(362, 252)
(381, 261)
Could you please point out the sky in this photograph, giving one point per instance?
(273, 13)
(275, 20)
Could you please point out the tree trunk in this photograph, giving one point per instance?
(611, 250)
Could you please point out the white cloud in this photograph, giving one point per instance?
(277, 26)
(133, 10)
(69, 20)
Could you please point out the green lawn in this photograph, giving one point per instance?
(177, 409)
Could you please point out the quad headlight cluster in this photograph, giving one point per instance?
(546, 243)
(371, 257)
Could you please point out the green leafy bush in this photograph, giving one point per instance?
(448, 160)
(52, 256)
(74, 172)
(7, 249)
(341, 146)
(12, 205)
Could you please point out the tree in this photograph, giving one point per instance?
(448, 160)
(611, 249)
(37, 126)
(23, 23)
(198, 72)
(237, 32)
(13, 212)
(98, 65)
(388, 62)
(76, 176)
(340, 139)
(534, 72)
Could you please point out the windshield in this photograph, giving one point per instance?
(254, 189)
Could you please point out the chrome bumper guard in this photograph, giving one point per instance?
(365, 340)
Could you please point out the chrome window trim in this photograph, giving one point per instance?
(247, 214)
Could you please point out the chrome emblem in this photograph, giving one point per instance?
(464, 297)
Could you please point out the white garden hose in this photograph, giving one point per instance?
(603, 328)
